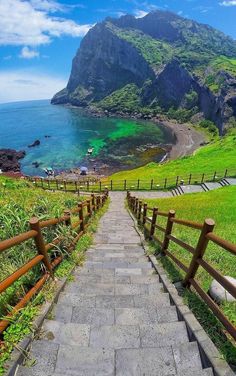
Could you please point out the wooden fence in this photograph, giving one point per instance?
(84, 211)
(151, 226)
(96, 185)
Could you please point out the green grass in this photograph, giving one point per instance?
(19, 201)
(217, 156)
(221, 206)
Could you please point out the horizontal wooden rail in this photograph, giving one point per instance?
(84, 211)
(181, 243)
(20, 272)
(197, 258)
(16, 240)
(196, 226)
(222, 243)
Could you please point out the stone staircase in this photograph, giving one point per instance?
(114, 318)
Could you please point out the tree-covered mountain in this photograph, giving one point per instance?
(161, 63)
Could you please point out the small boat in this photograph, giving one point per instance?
(90, 151)
(49, 171)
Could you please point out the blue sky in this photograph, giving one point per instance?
(39, 38)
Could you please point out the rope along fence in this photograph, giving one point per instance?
(153, 230)
(84, 211)
(96, 185)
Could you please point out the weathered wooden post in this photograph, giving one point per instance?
(139, 210)
(81, 216)
(190, 178)
(208, 226)
(111, 185)
(226, 172)
(89, 207)
(125, 185)
(138, 184)
(203, 177)
(168, 231)
(153, 224)
(68, 220)
(144, 213)
(177, 181)
(151, 184)
(93, 202)
(165, 184)
(40, 244)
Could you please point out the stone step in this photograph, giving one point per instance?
(102, 278)
(114, 265)
(142, 301)
(119, 257)
(166, 334)
(95, 289)
(66, 334)
(138, 316)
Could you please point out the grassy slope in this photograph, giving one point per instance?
(219, 205)
(216, 156)
(18, 203)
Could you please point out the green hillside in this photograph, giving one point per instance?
(217, 156)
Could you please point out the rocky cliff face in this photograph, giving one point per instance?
(172, 62)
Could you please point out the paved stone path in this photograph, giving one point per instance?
(115, 318)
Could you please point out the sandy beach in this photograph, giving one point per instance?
(187, 139)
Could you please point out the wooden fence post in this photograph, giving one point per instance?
(226, 172)
(165, 184)
(111, 185)
(67, 214)
(89, 207)
(97, 202)
(190, 178)
(81, 217)
(177, 181)
(139, 210)
(214, 177)
(203, 176)
(151, 184)
(125, 184)
(136, 206)
(93, 202)
(138, 184)
(144, 213)
(40, 244)
(154, 219)
(208, 226)
(168, 231)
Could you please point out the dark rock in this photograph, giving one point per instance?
(35, 143)
(9, 160)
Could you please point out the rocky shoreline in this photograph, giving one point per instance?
(10, 160)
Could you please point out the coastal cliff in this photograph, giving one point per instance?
(161, 63)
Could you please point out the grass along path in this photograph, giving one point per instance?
(221, 206)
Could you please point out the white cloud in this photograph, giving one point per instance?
(27, 53)
(24, 85)
(138, 13)
(30, 23)
(228, 3)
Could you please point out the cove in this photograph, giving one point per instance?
(65, 135)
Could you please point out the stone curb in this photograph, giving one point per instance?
(210, 356)
(17, 356)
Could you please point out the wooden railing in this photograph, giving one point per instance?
(98, 185)
(84, 211)
(152, 228)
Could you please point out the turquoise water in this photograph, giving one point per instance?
(117, 142)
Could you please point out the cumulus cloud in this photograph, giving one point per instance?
(228, 3)
(23, 85)
(27, 53)
(31, 23)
